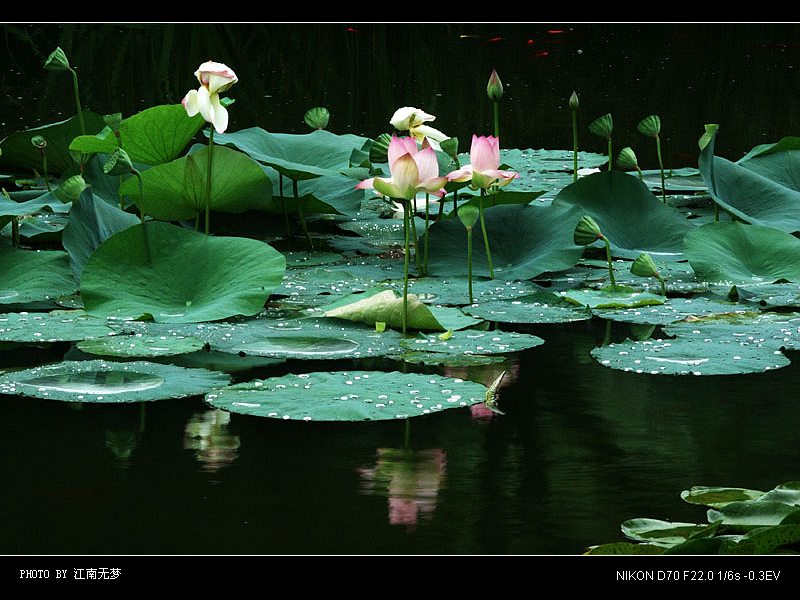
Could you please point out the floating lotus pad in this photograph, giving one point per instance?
(737, 253)
(753, 513)
(771, 295)
(54, 326)
(617, 297)
(660, 533)
(474, 342)
(718, 496)
(299, 258)
(224, 361)
(110, 382)
(179, 276)
(139, 345)
(34, 275)
(690, 357)
(627, 548)
(347, 396)
(674, 309)
(448, 360)
(528, 311)
(773, 330)
(454, 291)
(384, 306)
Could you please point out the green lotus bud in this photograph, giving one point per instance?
(118, 163)
(450, 147)
(650, 125)
(627, 159)
(317, 117)
(644, 266)
(71, 189)
(711, 131)
(113, 121)
(468, 215)
(57, 61)
(379, 153)
(39, 142)
(587, 232)
(573, 101)
(494, 89)
(602, 126)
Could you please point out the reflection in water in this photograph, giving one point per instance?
(122, 443)
(410, 479)
(487, 375)
(207, 434)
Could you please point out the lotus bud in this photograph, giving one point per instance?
(573, 101)
(711, 131)
(118, 163)
(587, 231)
(468, 215)
(57, 61)
(70, 189)
(113, 121)
(644, 266)
(650, 126)
(39, 142)
(627, 159)
(317, 117)
(602, 126)
(450, 147)
(379, 152)
(494, 89)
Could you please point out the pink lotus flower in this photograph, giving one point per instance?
(483, 170)
(412, 170)
(214, 79)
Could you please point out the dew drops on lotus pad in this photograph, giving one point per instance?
(689, 357)
(474, 342)
(347, 396)
(109, 382)
(141, 345)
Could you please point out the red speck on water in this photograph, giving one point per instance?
(496, 39)
(555, 31)
(351, 29)
(540, 54)
(529, 43)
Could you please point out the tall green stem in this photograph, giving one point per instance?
(641, 175)
(44, 169)
(663, 286)
(455, 202)
(141, 194)
(469, 263)
(496, 113)
(208, 178)
(405, 264)
(661, 166)
(15, 232)
(283, 206)
(574, 146)
(78, 101)
(485, 236)
(610, 265)
(412, 215)
(301, 214)
(609, 153)
(425, 250)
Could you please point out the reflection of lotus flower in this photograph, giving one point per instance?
(207, 433)
(412, 120)
(483, 170)
(412, 170)
(214, 79)
(409, 479)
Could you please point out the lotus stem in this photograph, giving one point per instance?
(405, 266)
(283, 206)
(15, 232)
(455, 202)
(141, 197)
(469, 264)
(44, 169)
(301, 214)
(78, 100)
(661, 166)
(609, 154)
(607, 336)
(641, 175)
(122, 198)
(208, 178)
(716, 211)
(663, 285)
(412, 216)
(485, 236)
(574, 146)
(496, 113)
(141, 416)
(407, 435)
(197, 222)
(608, 258)
(425, 248)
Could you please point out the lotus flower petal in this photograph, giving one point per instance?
(427, 164)
(219, 115)
(484, 153)
(216, 77)
(204, 104)
(406, 117)
(367, 184)
(190, 103)
(405, 176)
(462, 174)
(433, 186)
(400, 146)
(387, 187)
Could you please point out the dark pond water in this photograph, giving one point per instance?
(581, 447)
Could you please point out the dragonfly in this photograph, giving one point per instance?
(491, 395)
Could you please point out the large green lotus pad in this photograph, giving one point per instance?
(347, 396)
